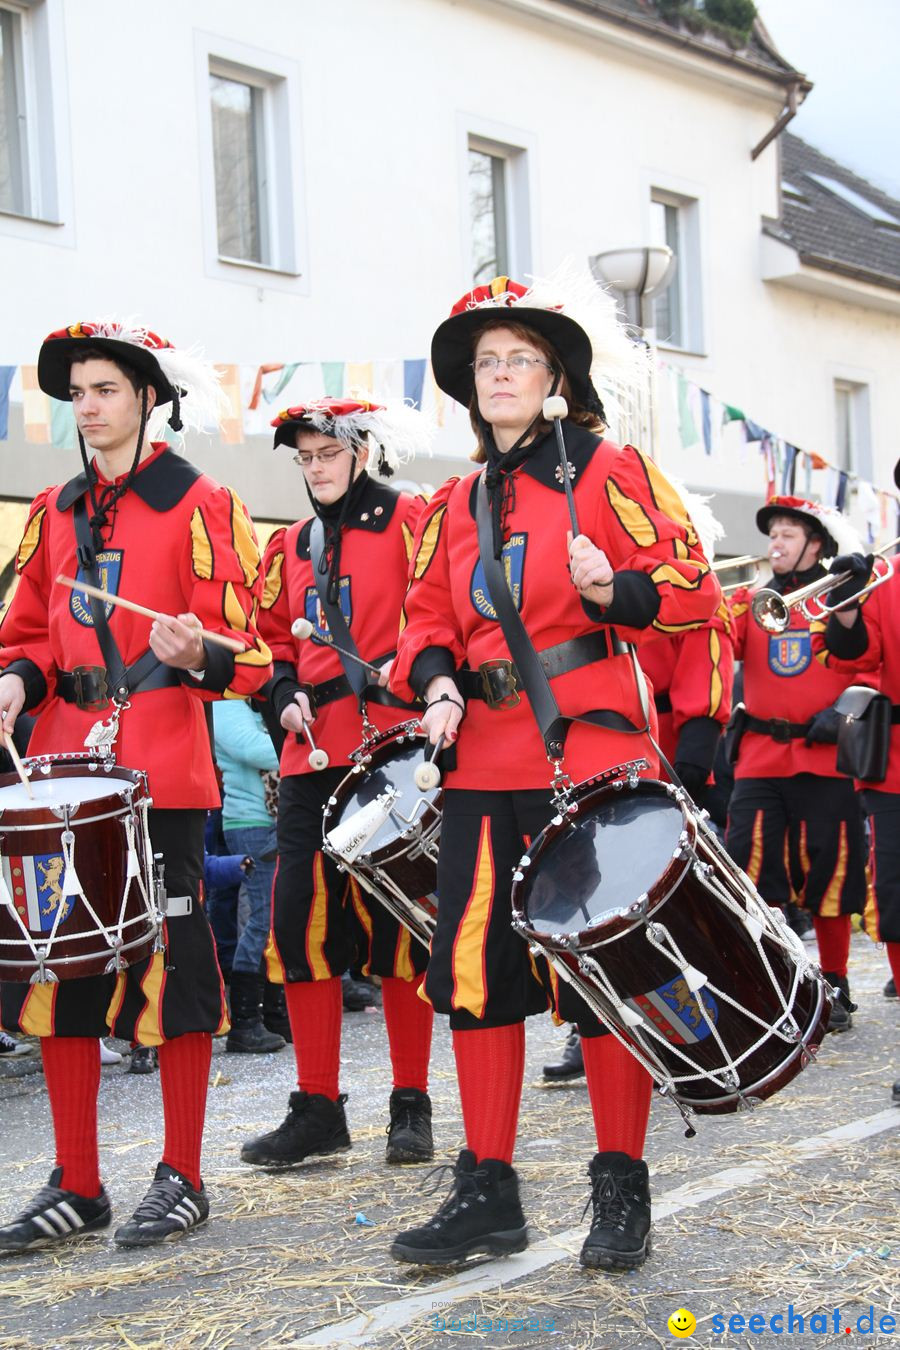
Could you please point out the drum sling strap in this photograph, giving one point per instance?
(355, 675)
(553, 724)
(148, 672)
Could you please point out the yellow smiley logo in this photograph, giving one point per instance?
(682, 1323)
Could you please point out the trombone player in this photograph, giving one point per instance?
(862, 639)
(792, 817)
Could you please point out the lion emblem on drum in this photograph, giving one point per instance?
(50, 885)
(683, 1017)
(684, 1002)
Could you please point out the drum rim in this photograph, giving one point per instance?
(377, 750)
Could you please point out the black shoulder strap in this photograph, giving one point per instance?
(337, 624)
(552, 724)
(123, 680)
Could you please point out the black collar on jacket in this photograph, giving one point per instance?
(373, 511)
(162, 484)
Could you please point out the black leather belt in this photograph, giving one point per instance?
(498, 682)
(331, 691)
(777, 727)
(89, 687)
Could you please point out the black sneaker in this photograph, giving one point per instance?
(840, 1018)
(13, 1048)
(409, 1134)
(169, 1209)
(55, 1215)
(620, 1229)
(144, 1059)
(800, 921)
(314, 1126)
(571, 1065)
(482, 1213)
(357, 994)
(890, 989)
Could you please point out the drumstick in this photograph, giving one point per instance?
(302, 629)
(20, 767)
(232, 644)
(553, 410)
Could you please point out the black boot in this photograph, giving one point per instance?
(357, 994)
(890, 989)
(620, 1229)
(840, 1019)
(571, 1065)
(314, 1126)
(275, 1012)
(409, 1133)
(248, 1036)
(481, 1214)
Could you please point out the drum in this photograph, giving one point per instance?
(384, 831)
(633, 900)
(76, 891)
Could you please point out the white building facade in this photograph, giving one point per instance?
(299, 182)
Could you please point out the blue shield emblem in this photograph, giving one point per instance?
(316, 614)
(790, 653)
(109, 568)
(680, 1015)
(513, 559)
(35, 885)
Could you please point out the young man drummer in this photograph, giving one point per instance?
(168, 537)
(344, 565)
(634, 569)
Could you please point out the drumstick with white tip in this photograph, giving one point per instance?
(555, 409)
(108, 598)
(302, 629)
(428, 776)
(318, 759)
(20, 767)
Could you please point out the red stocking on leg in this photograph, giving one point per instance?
(409, 1021)
(315, 1010)
(490, 1066)
(184, 1076)
(619, 1089)
(833, 937)
(72, 1074)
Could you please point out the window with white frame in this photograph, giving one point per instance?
(35, 186)
(498, 209)
(852, 427)
(251, 157)
(678, 310)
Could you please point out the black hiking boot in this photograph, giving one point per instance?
(620, 1229)
(409, 1133)
(482, 1213)
(314, 1126)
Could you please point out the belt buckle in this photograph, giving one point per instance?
(310, 691)
(780, 730)
(499, 683)
(91, 688)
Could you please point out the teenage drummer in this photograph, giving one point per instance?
(342, 573)
(159, 532)
(634, 569)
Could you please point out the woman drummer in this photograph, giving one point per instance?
(634, 570)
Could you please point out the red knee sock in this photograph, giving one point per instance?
(184, 1078)
(409, 1021)
(893, 956)
(833, 937)
(619, 1089)
(490, 1066)
(72, 1074)
(315, 1010)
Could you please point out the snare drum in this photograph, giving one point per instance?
(381, 829)
(76, 892)
(634, 902)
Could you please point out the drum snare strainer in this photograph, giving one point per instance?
(633, 900)
(76, 883)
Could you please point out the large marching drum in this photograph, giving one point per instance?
(633, 900)
(76, 880)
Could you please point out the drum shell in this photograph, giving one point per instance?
(714, 940)
(100, 857)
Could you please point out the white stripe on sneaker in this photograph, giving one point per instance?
(74, 1218)
(44, 1226)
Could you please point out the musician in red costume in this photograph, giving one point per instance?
(862, 640)
(792, 816)
(162, 533)
(634, 570)
(352, 553)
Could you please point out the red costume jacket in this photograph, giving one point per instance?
(663, 585)
(178, 543)
(877, 662)
(781, 680)
(376, 543)
(692, 675)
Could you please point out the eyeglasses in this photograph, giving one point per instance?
(487, 365)
(304, 458)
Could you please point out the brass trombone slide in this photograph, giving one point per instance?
(772, 611)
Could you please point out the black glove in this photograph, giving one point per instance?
(823, 729)
(859, 567)
(693, 776)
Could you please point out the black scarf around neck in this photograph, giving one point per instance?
(333, 516)
(497, 480)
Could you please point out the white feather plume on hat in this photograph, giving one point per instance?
(399, 429)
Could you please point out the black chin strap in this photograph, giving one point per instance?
(501, 464)
(100, 510)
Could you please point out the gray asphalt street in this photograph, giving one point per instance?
(785, 1214)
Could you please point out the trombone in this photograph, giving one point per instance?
(729, 564)
(772, 611)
